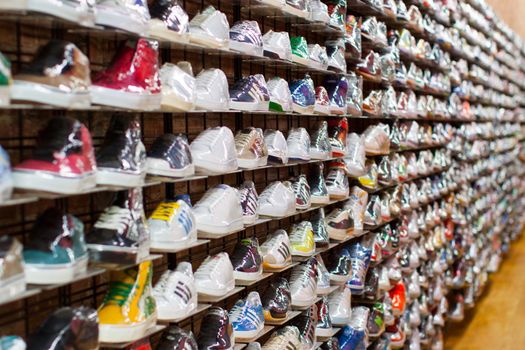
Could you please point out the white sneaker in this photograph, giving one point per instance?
(337, 224)
(298, 144)
(340, 306)
(337, 184)
(277, 45)
(276, 250)
(287, 338)
(246, 317)
(214, 150)
(178, 87)
(80, 12)
(318, 57)
(303, 283)
(129, 15)
(211, 90)
(219, 211)
(215, 275)
(323, 276)
(175, 293)
(172, 225)
(277, 200)
(319, 11)
(280, 96)
(302, 239)
(210, 28)
(277, 146)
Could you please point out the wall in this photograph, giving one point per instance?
(511, 11)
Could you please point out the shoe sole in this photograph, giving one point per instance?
(172, 103)
(161, 167)
(12, 286)
(302, 303)
(275, 214)
(216, 292)
(111, 177)
(165, 314)
(247, 276)
(249, 220)
(245, 48)
(173, 244)
(50, 95)
(208, 41)
(338, 279)
(115, 255)
(112, 333)
(54, 273)
(299, 253)
(320, 199)
(320, 109)
(324, 332)
(303, 110)
(301, 60)
(48, 182)
(108, 16)
(206, 167)
(158, 30)
(338, 195)
(248, 334)
(5, 95)
(57, 9)
(262, 106)
(252, 163)
(214, 229)
(296, 12)
(123, 99)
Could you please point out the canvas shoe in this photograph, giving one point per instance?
(246, 317)
(276, 250)
(172, 225)
(337, 184)
(337, 131)
(211, 90)
(58, 75)
(340, 306)
(219, 211)
(6, 177)
(276, 45)
(277, 146)
(175, 293)
(302, 239)
(246, 37)
(306, 322)
(250, 148)
(303, 95)
(170, 156)
(216, 330)
(249, 202)
(6, 81)
(178, 87)
(302, 192)
(177, 338)
(320, 147)
(63, 160)
(214, 151)
(300, 52)
(354, 334)
(169, 21)
(247, 260)
(360, 254)
(303, 283)
(129, 15)
(215, 275)
(318, 59)
(277, 300)
(250, 94)
(339, 267)
(12, 278)
(288, 338)
(76, 11)
(277, 200)
(322, 102)
(337, 88)
(324, 323)
(299, 8)
(210, 28)
(338, 223)
(298, 144)
(318, 190)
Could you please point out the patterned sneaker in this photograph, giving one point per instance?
(251, 148)
(249, 202)
(246, 37)
(303, 95)
(301, 189)
(302, 239)
(276, 251)
(250, 94)
(320, 147)
(246, 317)
(210, 28)
(170, 156)
(280, 96)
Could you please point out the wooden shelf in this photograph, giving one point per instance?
(203, 298)
(200, 308)
(291, 315)
(179, 248)
(264, 331)
(247, 283)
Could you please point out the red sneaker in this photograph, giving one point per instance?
(322, 102)
(398, 296)
(338, 130)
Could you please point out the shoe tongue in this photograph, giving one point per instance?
(186, 67)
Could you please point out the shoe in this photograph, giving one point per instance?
(210, 28)
(353, 335)
(247, 260)
(297, 8)
(280, 96)
(128, 15)
(319, 12)
(318, 191)
(6, 81)
(169, 21)
(12, 278)
(277, 146)
(250, 148)
(303, 283)
(298, 144)
(172, 225)
(320, 147)
(324, 322)
(306, 322)
(128, 309)
(132, 79)
(215, 275)
(246, 317)
(276, 250)
(170, 156)
(398, 296)
(6, 177)
(277, 300)
(340, 306)
(303, 95)
(276, 45)
(12, 342)
(360, 254)
(338, 223)
(121, 159)
(277, 200)
(56, 251)
(216, 331)
(356, 206)
(211, 90)
(301, 189)
(250, 94)
(214, 151)
(175, 293)
(219, 211)
(76, 11)
(246, 37)
(288, 338)
(320, 229)
(337, 88)
(58, 75)
(339, 267)
(302, 239)
(317, 56)
(337, 184)
(376, 139)
(338, 130)
(175, 338)
(331, 344)
(323, 277)
(177, 86)
(249, 202)
(322, 102)
(335, 49)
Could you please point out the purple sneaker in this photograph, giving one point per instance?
(337, 88)
(250, 94)
(303, 95)
(246, 37)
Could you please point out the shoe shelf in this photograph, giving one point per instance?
(116, 267)
(32, 291)
(387, 187)
(290, 316)
(152, 331)
(200, 308)
(181, 247)
(422, 62)
(266, 329)
(246, 283)
(19, 199)
(239, 346)
(332, 333)
(212, 299)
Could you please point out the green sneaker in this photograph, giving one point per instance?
(299, 50)
(5, 80)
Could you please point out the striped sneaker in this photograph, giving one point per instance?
(302, 192)
(306, 323)
(302, 239)
(247, 317)
(286, 338)
(246, 37)
(303, 283)
(249, 202)
(276, 250)
(250, 94)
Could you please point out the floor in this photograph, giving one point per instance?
(498, 320)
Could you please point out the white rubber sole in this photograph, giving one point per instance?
(321, 109)
(301, 60)
(246, 48)
(110, 333)
(249, 220)
(46, 94)
(47, 182)
(339, 279)
(303, 110)
(337, 110)
(323, 332)
(207, 104)
(216, 292)
(276, 213)
(340, 321)
(123, 99)
(314, 154)
(252, 163)
(53, 274)
(303, 303)
(262, 106)
(165, 313)
(273, 52)
(12, 286)
(161, 167)
(246, 276)
(214, 168)
(112, 177)
(110, 16)
(338, 194)
(320, 199)
(299, 253)
(208, 41)
(5, 95)
(249, 334)
(172, 103)
(173, 244)
(158, 30)
(214, 229)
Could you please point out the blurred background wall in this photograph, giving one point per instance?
(512, 12)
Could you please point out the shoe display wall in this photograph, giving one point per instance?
(286, 174)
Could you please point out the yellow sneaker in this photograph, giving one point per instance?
(302, 239)
(128, 310)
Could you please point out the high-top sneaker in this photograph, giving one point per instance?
(306, 322)
(277, 146)
(172, 225)
(337, 89)
(277, 300)
(251, 148)
(175, 338)
(214, 150)
(335, 50)
(178, 86)
(324, 322)
(246, 317)
(210, 28)
(249, 202)
(318, 191)
(340, 304)
(360, 254)
(277, 200)
(132, 79)
(354, 335)
(175, 293)
(337, 184)
(120, 235)
(303, 95)
(170, 156)
(302, 239)
(300, 52)
(322, 101)
(169, 21)
(303, 283)
(57, 75)
(320, 147)
(338, 130)
(246, 260)
(129, 15)
(398, 296)
(246, 37)
(215, 275)
(302, 192)
(128, 310)
(376, 324)
(250, 94)
(276, 250)
(277, 45)
(216, 330)
(339, 266)
(320, 228)
(286, 338)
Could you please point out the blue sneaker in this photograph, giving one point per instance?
(246, 37)
(12, 342)
(303, 95)
(353, 336)
(337, 88)
(250, 94)
(183, 197)
(360, 254)
(6, 177)
(247, 317)
(170, 156)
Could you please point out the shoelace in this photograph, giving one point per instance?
(114, 218)
(243, 139)
(212, 197)
(237, 312)
(267, 193)
(209, 266)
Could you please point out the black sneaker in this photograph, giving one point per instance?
(339, 266)
(122, 158)
(216, 331)
(320, 147)
(324, 322)
(175, 338)
(318, 191)
(277, 300)
(67, 328)
(246, 260)
(120, 235)
(170, 156)
(319, 226)
(306, 322)
(331, 344)
(302, 192)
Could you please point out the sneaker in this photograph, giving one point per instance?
(120, 235)
(124, 85)
(288, 338)
(320, 147)
(170, 156)
(324, 322)
(354, 334)
(356, 206)
(129, 15)
(210, 28)
(276, 251)
(317, 56)
(6, 177)
(277, 200)
(360, 254)
(277, 300)
(56, 251)
(250, 94)
(398, 296)
(340, 305)
(319, 12)
(339, 267)
(330, 344)
(246, 317)
(322, 102)
(175, 293)
(12, 278)
(280, 96)
(6, 81)
(277, 146)
(303, 95)
(301, 189)
(122, 157)
(128, 309)
(297, 8)
(172, 225)
(169, 21)
(370, 67)
(219, 211)
(215, 275)
(338, 130)
(337, 184)
(251, 148)
(178, 87)
(298, 144)
(216, 330)
(12, 342)
(306, 322)
(247, 260)
(318, 191)
(214, 151)
(58, 75)
(320, 228)
(77, 11)
(338, 223)
(376, 139)
(336, 56)
(302, 239)
(276, 45)
(337, 88)
(246, 37)
(175, 338)
(303, 283)
(249, 202)
(211, 90)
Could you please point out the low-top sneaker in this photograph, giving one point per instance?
(277, 200)
(318, 191)
(169, 21)
(170, 156)
(246, 317)
(251, 148)
(302, 239)
(277, 45)
(246, 37)
(177, 87)
(214, 150)
(298, 144)
(276, 250)
(280, 95)
(210, 28)
(301, 189)
(211, 90)
(215, 275)
(250, 94)
(324, 322)
(337, 184)
(340, 306)
(303, 95)
(338, 223)
(277, 300)
(246, 260)
(276, 145)
(303, 283)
